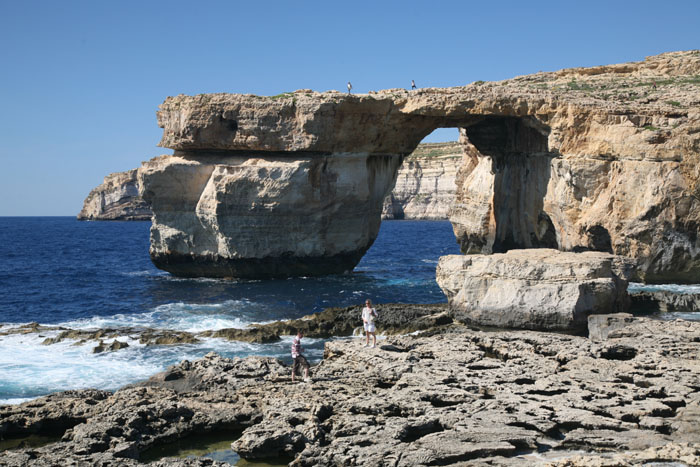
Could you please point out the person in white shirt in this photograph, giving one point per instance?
(369, 314)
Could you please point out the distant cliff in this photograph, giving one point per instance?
(425, 188)
(117, 198)
(425, 184)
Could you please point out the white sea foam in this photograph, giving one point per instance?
(14, 401)
(144, 273)
(673, 288)
(62, 366)
(48, 368)
(179, 316)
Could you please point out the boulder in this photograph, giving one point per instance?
(600, 326)
(532, 289)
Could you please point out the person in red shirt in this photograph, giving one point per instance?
(299, 361)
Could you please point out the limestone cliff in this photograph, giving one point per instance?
(117, 198)
(425, 184)
(606, 160)
(602, 158)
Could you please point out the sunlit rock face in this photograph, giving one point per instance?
(425, 184)
(265, 216)
(542, 289)
(580, 159)
(607, 159)
(117, 198)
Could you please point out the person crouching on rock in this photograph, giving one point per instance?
(368, 316)
(299, 361)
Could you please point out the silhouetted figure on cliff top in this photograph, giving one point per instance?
(349, 87)
(413, 84)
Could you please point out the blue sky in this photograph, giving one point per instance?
(81, 81)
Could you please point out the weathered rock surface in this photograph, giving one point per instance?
(260, 215)
(424, 189)
(425, 184)
(394, 318)
(446, 397)
(532, 289)
(662, 301)
(600, 326)
(597, 158)
(606, 160)
(117, 198)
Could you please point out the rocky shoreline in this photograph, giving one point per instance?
(447, 395)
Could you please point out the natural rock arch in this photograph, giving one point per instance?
(293, 184)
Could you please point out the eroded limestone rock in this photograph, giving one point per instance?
(608, 161)
(600, 326)
(117, 198)
(424, 189)
(457, 396)
(532, 289)
(663, 301)
(425, 184)
(577, 159)
(253, 215)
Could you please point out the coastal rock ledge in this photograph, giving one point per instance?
(453, 396)
(604, 158)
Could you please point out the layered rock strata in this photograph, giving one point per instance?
(533, 289)
(117, 198)
(608, 162)
(662, 301)
(424, 189)
(602, 158)
(259, 215)
(425, 184)
(449, 396)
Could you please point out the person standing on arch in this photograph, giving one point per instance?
(349, 87)
(369, 314)
(413, 85)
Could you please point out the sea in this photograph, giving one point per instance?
(61, 272)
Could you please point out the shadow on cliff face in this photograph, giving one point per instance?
(520, 163)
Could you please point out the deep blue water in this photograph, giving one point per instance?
(62, 272)
(59, 271)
